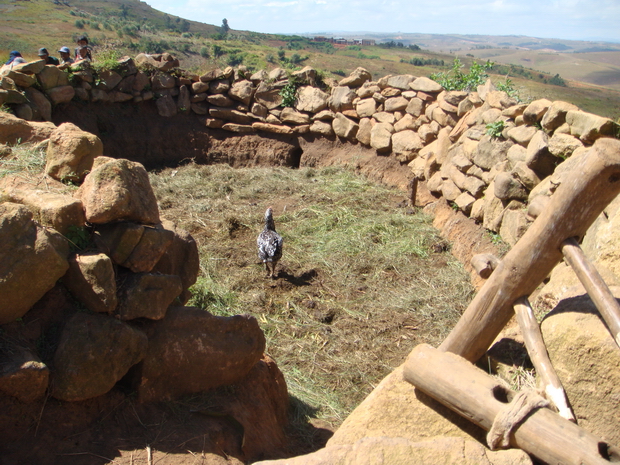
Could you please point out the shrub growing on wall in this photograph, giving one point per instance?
(456, 79)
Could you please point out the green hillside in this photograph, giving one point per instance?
(132, 26)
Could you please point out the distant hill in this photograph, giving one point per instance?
(594, 62)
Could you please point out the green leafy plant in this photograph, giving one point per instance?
(508, 87)
(107, 60)
(78, 237)
(456, 79)
(495, 129)
(289, 93)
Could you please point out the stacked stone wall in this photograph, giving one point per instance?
(493, 176)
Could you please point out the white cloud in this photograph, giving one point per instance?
(279, 4)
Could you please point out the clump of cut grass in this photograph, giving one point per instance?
(24, 160)
(358, 285)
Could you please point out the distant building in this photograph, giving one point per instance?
(343, 41)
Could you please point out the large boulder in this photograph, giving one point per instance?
(61, 212)
(381, 137)
(490, 151)
(556, 115)
(109, 79)
(401, 81)
(119, 190)
(242, 91)
(398, 424)
(358, 77)
(389, 450)
(147, 295)
(94, 352)
(32, 259)
(311, 99)
(268, 95)
(15, 130)
(42, 108)
(396, 104)
(61, 94)
(132, 245)
(341, 99)
(91, 279)
(51, 76)
(538, 157)
(406, 143)
(191, 351)
(587, 361)
(71, 152)
(602, 239)
(589, 127)
(425, 84)
(345, 127)
(166, 106)
(307, 76)
(22, 374)
(180, 258)
(292, 116)
(260, 405)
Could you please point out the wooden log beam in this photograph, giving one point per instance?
(593, 184)
(467, 390)
(540, 358)
(484, 264)
(596, 287)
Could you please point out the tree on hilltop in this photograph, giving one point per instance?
(224, 28)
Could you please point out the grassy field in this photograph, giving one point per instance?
(363, 279)
(597, 68)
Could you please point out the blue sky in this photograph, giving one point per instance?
(563, 19)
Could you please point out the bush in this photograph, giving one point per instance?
(289, 94)
(508, 87)
(235, 59)
(456, 79)
(204, 52)
(79, 24)
(557, 81)
(107, 60)
(495, 129)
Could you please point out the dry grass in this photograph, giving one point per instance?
(25, 160)
(358, 286)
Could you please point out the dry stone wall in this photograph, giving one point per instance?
(493, 177)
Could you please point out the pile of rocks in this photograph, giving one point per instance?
(129, 272)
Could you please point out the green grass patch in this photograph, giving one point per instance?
(358, 285)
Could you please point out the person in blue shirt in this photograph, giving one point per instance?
(15, 58)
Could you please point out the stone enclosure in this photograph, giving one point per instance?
(493, 160)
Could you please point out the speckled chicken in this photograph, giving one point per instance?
(269, 244)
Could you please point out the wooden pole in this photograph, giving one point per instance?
(413, 190)
(484, 264)
(540, 358)
(596, 287)
(592, 185)
(467, 390)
